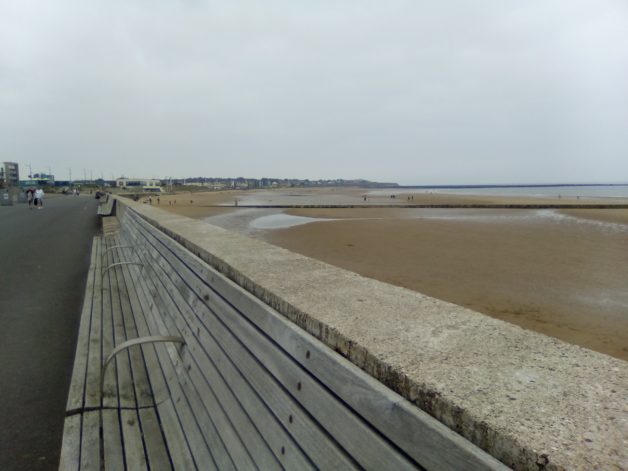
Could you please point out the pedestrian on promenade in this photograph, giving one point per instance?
(29, 198)
(39, 198)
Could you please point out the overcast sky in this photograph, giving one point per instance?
(413, 92)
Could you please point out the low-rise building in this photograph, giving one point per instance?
(38, 180)
(143, 184)
(9, 174)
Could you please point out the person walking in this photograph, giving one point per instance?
(29, 197)
(39, 198)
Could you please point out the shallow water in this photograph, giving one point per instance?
(282, 221)
(583, 191)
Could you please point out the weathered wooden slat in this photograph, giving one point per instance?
(90, 441)
(150, 389)
(179, 450)
(285, 412)
(214, 396)
(120, 303)
(110, 293)
(94, 356)
(125, 330)
(71, 446)
(113, 446)
(156, 448)
(130, 310)
(419, 435)
(76, 395)
(134, 454)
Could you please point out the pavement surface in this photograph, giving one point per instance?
(44, 259)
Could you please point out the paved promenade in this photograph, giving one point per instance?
(44, 258)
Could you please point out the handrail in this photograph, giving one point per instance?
(130, 343)
(118, 264)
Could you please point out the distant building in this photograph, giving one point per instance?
(38, 180)
(9, 174)
(143, 184)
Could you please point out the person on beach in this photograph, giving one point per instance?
(39, 198)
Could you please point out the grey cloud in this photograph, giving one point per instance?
(397, 91)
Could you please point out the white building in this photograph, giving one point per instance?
(144, 184)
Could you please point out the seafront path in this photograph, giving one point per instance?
(44, 258)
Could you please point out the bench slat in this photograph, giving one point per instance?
(113, 446)
(110, 293)
(71, 446)
(134, 454)
(143, 396)
(119, 303)
(90, 442)
(156, 450)
(179, 450)
(94, 358)
(149, 390)
(76, 395)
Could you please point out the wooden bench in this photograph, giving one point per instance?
(106, 206)
(247, 390)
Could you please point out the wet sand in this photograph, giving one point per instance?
(562, 273)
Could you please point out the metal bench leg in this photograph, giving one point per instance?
(118, 264)
(117, 247)
(131, 343)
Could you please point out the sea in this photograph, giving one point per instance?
(538, 191)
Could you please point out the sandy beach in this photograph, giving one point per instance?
(559, 272)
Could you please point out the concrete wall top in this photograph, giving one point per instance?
(532, 401)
